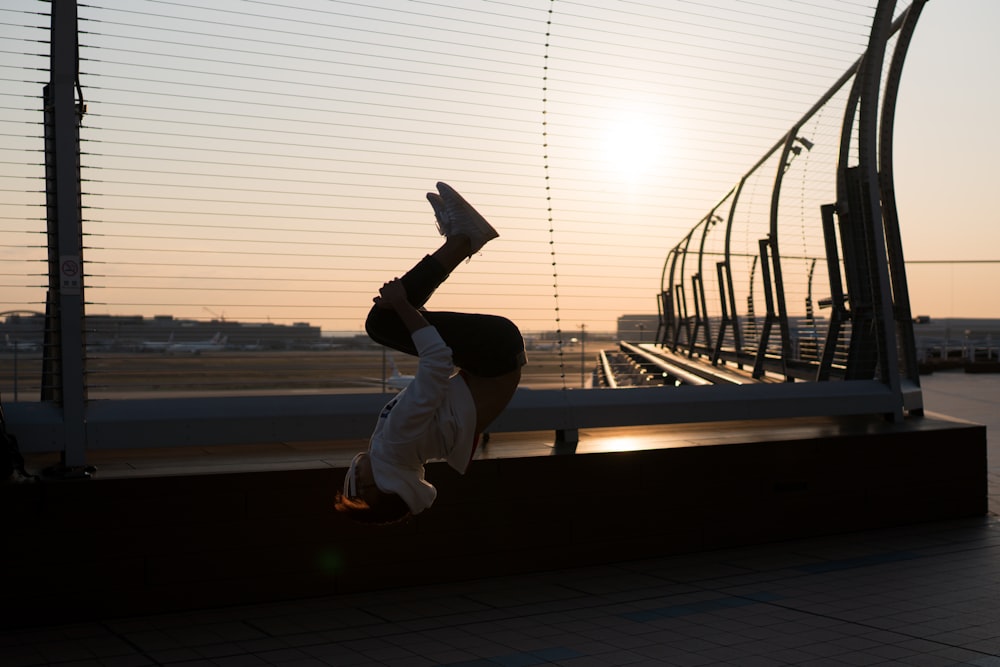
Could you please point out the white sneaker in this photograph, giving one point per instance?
(463, 220)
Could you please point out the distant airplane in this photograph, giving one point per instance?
(21, 345)
(252, 347)
(534, 344)
(325, 346)
(218, 342)
(395, 379)
(156, 345)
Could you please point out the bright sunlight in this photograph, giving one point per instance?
(635, 144)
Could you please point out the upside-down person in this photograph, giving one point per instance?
(442, 413)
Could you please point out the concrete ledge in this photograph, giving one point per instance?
(111, 547)
(221, 420)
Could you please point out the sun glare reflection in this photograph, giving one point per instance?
(616, 444)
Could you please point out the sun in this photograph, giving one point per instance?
(634, 144)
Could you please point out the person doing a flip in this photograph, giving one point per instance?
(442, 413)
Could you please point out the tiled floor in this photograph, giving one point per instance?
(919, 595)
(923, 595)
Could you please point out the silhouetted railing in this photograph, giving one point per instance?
(798, 271)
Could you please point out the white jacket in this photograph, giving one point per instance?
(433, 418)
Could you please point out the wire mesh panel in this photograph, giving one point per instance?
(23, 255)
(253, 172)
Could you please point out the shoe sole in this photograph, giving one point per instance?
(440, 212)
(452, 198)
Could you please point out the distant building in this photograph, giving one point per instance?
(139, 333)
(638, 328)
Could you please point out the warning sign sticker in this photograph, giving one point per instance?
(70, 272)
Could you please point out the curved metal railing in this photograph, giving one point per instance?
(797, 271)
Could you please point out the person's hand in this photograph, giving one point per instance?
(391, 294)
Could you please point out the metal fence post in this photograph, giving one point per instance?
(63, 382)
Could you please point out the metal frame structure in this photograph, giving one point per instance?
(880, 364)
(863, 251)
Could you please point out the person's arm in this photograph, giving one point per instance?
(413, 413)
(393, 295)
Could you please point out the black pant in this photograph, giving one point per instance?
(485, 345)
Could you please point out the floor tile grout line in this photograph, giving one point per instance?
(862, 624)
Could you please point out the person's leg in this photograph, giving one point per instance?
(484, 345)
(384, 326)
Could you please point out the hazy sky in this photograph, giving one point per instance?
(946, 158)
(259, 162)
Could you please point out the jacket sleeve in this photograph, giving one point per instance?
(417, 406)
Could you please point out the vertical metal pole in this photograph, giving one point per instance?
(15, 370)
(779, 281)
(721, 270)
(385, 385)
(765, 275)
(871, 73)
(65, 298)
(733, 312)
(838, 311)
(894, 244)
